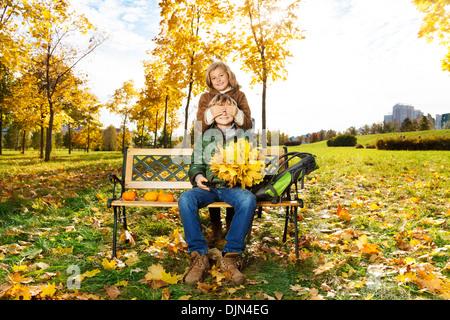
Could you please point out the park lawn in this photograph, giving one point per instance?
(375, 226)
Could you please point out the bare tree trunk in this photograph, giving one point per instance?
(264, 92)
(1, 130)
(124, 131)
(156, 130)
(70, 139)
(88, 138)
(48, 143)
(165, 121)
(186, 114)
(24, 136)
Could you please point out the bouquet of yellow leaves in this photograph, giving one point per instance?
(238, 163)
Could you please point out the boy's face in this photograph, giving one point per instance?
(219, 79)
(225, 118)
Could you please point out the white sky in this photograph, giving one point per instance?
(359, 58)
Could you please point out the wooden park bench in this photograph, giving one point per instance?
(145, 169)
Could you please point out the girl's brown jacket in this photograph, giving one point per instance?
(236, 94)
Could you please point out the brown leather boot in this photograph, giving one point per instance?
(216, 233)
(229, 263)
(199, 268)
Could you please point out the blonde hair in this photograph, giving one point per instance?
(231, 77)
(222, 99)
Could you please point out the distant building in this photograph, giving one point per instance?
(442, 121)
(65, 128)
(388, 118)
(402, 111)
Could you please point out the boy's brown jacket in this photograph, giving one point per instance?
(236, 94)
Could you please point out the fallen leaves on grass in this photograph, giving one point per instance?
(370, 226)
(157, 277)
(365, 247)
(343, 214)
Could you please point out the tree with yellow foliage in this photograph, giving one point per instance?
(6, 91)
(436, 24)
(17, 18)
(163, 94)
(54, 53)
(263, 31)
(190, 37)
(83, 108)
(122, 103)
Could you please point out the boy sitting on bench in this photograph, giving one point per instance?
(208, 189)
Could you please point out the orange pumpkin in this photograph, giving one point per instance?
(166, 197)
(151, 196)
(129, 195)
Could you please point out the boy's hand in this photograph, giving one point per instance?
(200, 180)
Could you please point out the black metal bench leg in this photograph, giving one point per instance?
(124, 219)
(114, 251)
(119, 214)
(286, 224)
(296, 227)
(296, 232)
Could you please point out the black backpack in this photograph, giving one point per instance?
(277, 183)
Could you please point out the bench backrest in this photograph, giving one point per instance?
(147, 168)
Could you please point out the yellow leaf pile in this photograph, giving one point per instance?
(238, 163)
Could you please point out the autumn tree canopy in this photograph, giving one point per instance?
(189, 39)
(263, 33)
(435, 25)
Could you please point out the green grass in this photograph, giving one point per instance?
(54, 216)
(370, 139)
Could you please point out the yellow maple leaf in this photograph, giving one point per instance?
(429, 281)
(19, 268)
(167, 277)
(48, 290)
(15, 278)
(343, 214)
(366, 247)
(406, 277)
(20, 293)
(238, 164)
(218, 275)
(154, 272)
(122, 283)
(109, 265)
(324, 267)
(89, 274)
(370, 248)
(157, 272)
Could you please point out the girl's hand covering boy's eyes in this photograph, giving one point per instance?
(217, 110)
(231, 110)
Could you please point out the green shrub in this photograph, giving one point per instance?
(432, 143)
(343, 140)
(292, 143)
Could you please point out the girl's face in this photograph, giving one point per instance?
(219, 79)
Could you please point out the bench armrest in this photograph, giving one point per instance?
(113, 178)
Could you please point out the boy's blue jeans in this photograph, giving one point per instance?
(244, 203)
